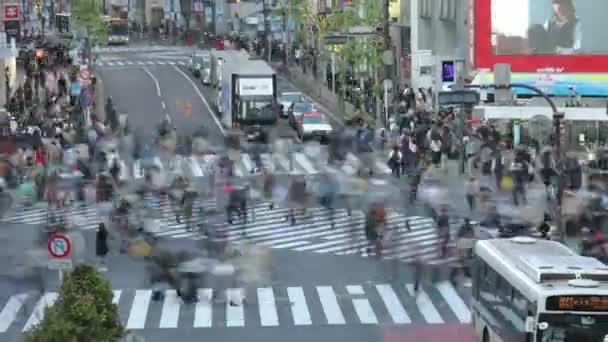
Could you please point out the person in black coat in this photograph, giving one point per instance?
(101, 244)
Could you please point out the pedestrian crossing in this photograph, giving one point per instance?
(409, 238)
(277, 306)
(118, 63)
(143, 48)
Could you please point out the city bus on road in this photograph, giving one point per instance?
(118, 31)
(532, 290)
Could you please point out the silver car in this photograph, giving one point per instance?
(314, 125)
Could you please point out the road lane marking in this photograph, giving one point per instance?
(299, 308)
(198, 92)
(393, 305)
(330, 305)
(116, 296)
(171, 63)
(425, 305)
(170, 314)
(235, 314)
(203, 312)
(139, 310)
(362, 306)
(9, 313)
(156, 83)
(38, 315)
(268, 308)
(454, 301)
(164, 105)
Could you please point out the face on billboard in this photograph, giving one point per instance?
(563, 35)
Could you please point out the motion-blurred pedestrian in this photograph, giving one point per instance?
(101, 245)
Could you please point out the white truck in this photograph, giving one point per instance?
(246, 91)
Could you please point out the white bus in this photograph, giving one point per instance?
(528, 290)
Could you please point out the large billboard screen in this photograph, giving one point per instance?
(565, 36)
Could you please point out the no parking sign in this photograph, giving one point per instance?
(59, 246)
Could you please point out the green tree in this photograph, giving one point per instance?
(83, 311)
(87, 14)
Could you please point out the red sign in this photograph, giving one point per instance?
(59, 246)
(85, 74)
(11, 12)
(538, 43)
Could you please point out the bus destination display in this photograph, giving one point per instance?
(577, 303)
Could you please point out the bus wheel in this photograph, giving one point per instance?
(486, 335)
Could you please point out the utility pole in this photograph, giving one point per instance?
(267, 44)
(388, 59)
(286, 18)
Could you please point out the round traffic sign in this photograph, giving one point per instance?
(85, 74)
(59, 246)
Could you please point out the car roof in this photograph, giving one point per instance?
(291, 93)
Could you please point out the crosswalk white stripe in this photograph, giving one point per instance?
(110, 64)
(247, 162)
(235, 314)
(267, 161)
(268, 308)
(329, 303)
(454, 301)
(120, 63)
(10, 311)
(305, 163)
(158, 163)
(37, 315)
(141, 63)
(170, 313)
(171, 63)
(138, 171)
(393, 304)
(116, 296)
(129, 63)
(362, 306)
(382, 167)
(139, 309)
(196, 169)
(299, 308)
(291, 244)
(282, 161)
(181, 63)
(425, 305)
(149, 62)
(160, 62)
(203, 313)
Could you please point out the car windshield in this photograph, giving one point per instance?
(291, 97)
(302, 107)
(573, 328)
(314, 119)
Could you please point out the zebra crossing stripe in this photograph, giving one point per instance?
(305, 163)
(203, 314)
(235, 314)
(170, 313)
(141, 63)
(268, 309)
(116, 296)
(10, 311)
(362, 306)
(48, 299)
(120, 63)
(393, 305)
(246, 160)
(454, 301)
(425, 305)
(299, 308)
(139, 310)
(171, 63)
(330, 305)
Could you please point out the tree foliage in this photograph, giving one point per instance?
(87, 14)
(83, 311)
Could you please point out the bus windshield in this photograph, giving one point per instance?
(119, 27)
(573, 328)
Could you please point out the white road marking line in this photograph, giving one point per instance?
(10, 311)
(247, 162)
(456, 303)
(235, 315)
(141, 63)
(362, 306)
(197, 171)
(330, 305)
(37, 315)
(160, 63)
(110, 64)
(170, 313)
(299, 308)
(181, 63)
(393, 304)
(305, 163)
(268, 307)
(203, 311)
(425, 305)
(171, 63)
(116, 296)
(120, 63)
(163, 104)
(139, 310)
(149, 62)
(156, 83)
(198, 92)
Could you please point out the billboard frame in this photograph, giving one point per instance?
(484, 59)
